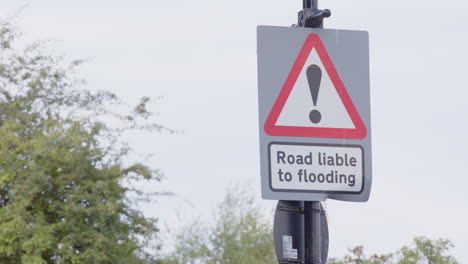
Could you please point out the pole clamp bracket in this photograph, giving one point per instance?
(300, 210)
(312, 17)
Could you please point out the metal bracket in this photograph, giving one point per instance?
(300, 210)
(295, 209)
(311, 16)
(290, 262)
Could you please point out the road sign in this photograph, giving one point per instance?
(305, 84)
(314, 109)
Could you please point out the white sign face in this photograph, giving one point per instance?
(295, 112)
(314, 167)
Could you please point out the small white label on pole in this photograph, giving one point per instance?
(288, 251)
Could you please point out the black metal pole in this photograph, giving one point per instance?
(312, 228)
(313, 237)
(314, 4)
(310, 4)
(316, 234)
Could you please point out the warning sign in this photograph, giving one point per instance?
(313, 101)
(314, 114)
(313, 167)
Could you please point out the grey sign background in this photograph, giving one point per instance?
(277, 49)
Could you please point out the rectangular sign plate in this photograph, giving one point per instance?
(314, 114)
(316, 168)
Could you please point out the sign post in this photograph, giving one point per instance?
(315, 127)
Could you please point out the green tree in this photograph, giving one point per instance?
(64, 184)
(427, 251)
(240, 234)
(357, 256)
(423, 251)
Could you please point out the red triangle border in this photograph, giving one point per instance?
(359, 132)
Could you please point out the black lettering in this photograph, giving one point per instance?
(312, 177)
(343, 179)
(291, 159)
(280, 174)
(288, 176)
(300, 160)
(321, 177)
(353, 161)
(308, 159)
(330, 178)
(300, 175)
(352, 180)
(305, 176)
(280, 157)
(339, 160)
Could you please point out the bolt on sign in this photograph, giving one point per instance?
(314, 111)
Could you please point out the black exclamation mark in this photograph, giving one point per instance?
(314, 75)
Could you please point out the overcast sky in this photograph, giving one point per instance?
(201, 55)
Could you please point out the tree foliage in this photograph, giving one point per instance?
(427, 251)
(64, 182)
(423, 251)
(357, 256)
(239, 234)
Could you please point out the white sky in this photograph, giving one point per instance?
(201, 55)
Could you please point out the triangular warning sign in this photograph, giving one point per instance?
(313, 101)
